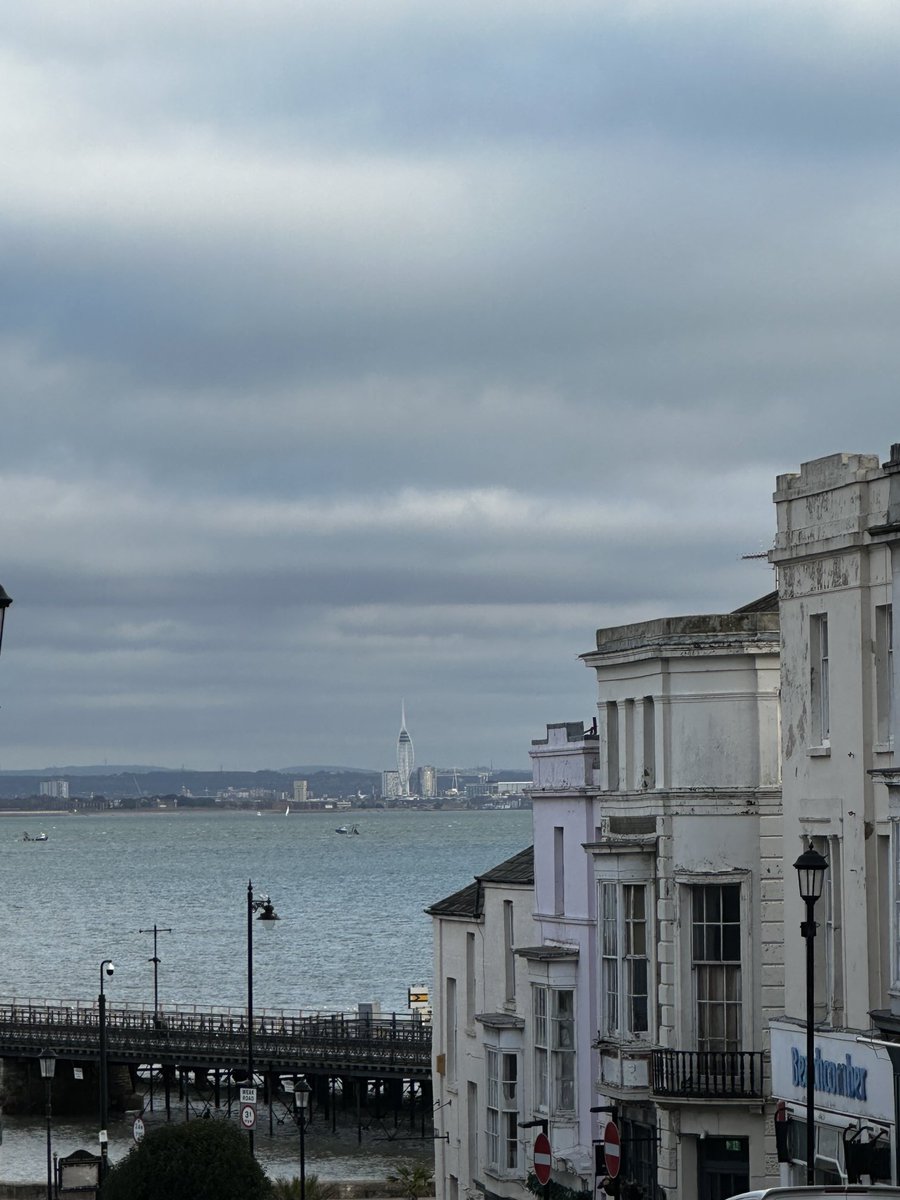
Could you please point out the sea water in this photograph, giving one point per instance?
(353, 929)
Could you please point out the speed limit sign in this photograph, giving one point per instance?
(248, 1116)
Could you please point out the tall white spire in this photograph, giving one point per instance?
(405, 754)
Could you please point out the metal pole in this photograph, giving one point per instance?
(250, 995)
(302, 1156)
(809, 932)
(49, 1148)
(104, 1102)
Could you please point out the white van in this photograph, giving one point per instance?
(820, 1191)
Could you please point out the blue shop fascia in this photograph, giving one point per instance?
(854, 1105)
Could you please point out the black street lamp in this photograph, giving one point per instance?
(267, 913)
(302, 1092)
(47, 1060)
(810, 868)
(5, 602)
(156, 930)
(106, 968)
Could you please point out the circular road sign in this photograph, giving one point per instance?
(542, 1156)
(248, 1116)
(612, 1149)
(137, 1129)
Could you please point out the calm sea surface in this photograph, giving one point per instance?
(352, 923)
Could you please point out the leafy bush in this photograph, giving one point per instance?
(200, 1160)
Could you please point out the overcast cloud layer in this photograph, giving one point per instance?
(354, 351)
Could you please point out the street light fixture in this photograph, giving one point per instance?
(267, 914)
(5, 602)
(302, 1092)
(155, 960)
(47, 1060)
(810, 868)
(107, 968)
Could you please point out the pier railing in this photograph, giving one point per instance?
(323, 1042)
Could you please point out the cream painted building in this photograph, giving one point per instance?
(481, 1070)
(833, 558)
(686, 860)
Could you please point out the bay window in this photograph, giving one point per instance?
(554, 1049)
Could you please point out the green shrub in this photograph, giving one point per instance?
(200, 1160)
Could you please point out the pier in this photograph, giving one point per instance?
(388, 1052)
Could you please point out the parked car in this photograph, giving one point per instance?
(822, 1191)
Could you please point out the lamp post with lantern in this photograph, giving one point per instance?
(810, 867)
(47, 1060)
(302, 1092)
(269, 916)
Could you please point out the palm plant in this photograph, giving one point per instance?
(415, 1180)
(315, 1189)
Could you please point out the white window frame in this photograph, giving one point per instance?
(713, 962)
(509, 952)
(620, 964)
(554, 1029)
(884, 674)
(503, 1146)
(819, 679)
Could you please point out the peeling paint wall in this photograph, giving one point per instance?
(829, 565)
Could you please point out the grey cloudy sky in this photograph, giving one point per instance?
(354, 350)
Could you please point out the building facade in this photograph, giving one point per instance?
(481, 1072)
(686, 859)
(833, 557)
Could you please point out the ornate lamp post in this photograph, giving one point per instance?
(267, 913)
(301, 1112)
(301, 1115)
(106, 968)
(47, 1060)
(810, 868)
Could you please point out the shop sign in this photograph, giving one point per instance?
(834, 1078)
(849, 1077)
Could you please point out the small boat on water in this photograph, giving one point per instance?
(287, 811)
(347, 829)
(38, 837)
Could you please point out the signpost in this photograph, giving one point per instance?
(612, 1149)
(137, 1129)
(542, 1158)
(248, 1116)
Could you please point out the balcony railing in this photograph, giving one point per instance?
(702, 1074)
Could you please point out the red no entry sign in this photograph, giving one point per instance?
(542, 1158)
(612, 1149)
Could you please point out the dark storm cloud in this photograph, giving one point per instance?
(358, 351)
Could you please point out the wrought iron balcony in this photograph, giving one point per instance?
(703, 1074)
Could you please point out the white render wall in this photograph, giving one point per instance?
(707, 810)
(456, 1156)
(562, 765)
(827, 564)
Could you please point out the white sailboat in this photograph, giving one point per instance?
(287, 811)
